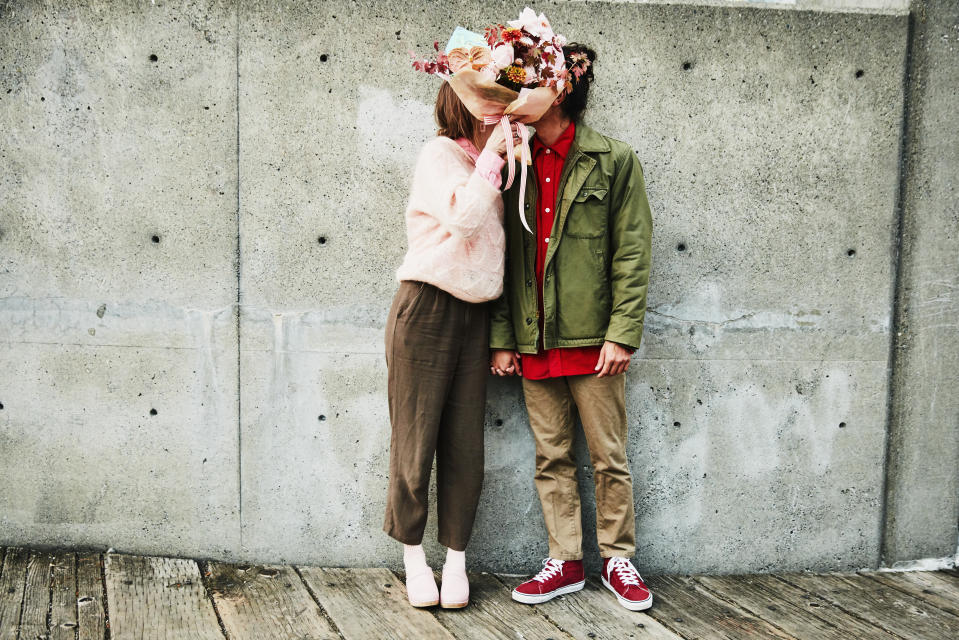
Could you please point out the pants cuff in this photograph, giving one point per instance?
(405, 539)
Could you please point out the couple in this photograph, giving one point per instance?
(562, 307)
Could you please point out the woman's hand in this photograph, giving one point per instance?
(497, 139)
(504, 362)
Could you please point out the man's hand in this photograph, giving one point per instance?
(504, 362)
(613, 359)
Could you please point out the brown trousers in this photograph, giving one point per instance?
(602, 409)
(437, 358)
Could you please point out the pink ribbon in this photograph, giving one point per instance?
(510, 160)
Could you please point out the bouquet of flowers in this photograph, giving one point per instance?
(512, 73)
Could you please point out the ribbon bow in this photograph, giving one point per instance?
(511, 160)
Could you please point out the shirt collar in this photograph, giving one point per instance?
(562, 144)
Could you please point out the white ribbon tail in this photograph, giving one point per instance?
(511, 160)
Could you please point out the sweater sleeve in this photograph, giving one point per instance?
(452, 190)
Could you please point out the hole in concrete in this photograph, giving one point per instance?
(1, 405)
(842, 425)
(153, 412)
(155, 239)
(851, 253)
(153, 57)
(860, 73)
(681, 246)
(676, 424)
(687, 66)
(321, 239)
(498, 422)
(322, 418)
(324, 57)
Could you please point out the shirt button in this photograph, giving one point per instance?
(548, 150)
(547, 209)
(547, 240)
(547, 179)
(529, 321)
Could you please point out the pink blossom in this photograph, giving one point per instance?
(533, 24)
(503, 56)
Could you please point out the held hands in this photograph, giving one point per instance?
(504, 362)
(497, 139)
(613, 359)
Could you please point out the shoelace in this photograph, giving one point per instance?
(625, 571)
(550, 568)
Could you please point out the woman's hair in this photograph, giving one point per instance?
(452, 116)
(575, 102)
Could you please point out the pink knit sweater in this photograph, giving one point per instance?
(454, 221)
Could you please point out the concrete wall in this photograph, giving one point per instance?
(220, 391)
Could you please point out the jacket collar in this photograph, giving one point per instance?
(588, 139)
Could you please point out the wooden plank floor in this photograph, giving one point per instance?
(64, 594)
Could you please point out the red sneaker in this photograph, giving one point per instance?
(621, 577)
(556, 578)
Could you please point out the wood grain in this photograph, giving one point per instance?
(12, 581)
(63, 596)
(493, 615)
(688, 609)
(883, 606)
(91, 617)
(158, 598)
(36, 596)
(930, 587)
(266, 601)
(367, 604)
(791, 609)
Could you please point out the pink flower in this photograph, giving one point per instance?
(503, 56)
(533, 24)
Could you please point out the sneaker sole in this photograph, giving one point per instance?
(641, 605)
(527, 598)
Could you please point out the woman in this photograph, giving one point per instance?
(437, 344)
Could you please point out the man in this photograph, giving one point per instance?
(570, 317)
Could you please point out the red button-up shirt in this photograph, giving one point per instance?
(548, 166)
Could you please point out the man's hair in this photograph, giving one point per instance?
(452, 116)
(575, 102)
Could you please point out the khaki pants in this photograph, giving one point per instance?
(437, 357)
(602, 409)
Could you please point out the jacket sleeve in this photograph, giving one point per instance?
(631, 228)
(501, 332)
(452, 190)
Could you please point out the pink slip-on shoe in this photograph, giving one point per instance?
(421, 588)
(557, 577)
(622, 578)
(455, 590)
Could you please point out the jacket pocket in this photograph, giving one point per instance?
(588, 213)
(582, 288)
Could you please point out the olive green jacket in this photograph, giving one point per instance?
(598, 257)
